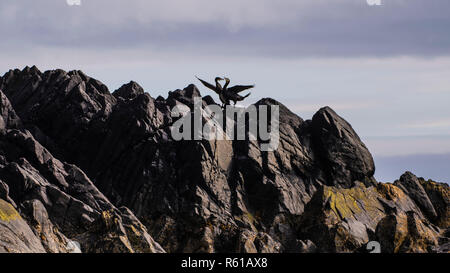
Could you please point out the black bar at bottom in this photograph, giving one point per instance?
(143, 263)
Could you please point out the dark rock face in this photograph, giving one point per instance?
(409, 183)
(346, 158)
(129, 91)
(103, 169)
(57, 200)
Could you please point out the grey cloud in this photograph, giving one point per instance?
(262, 28)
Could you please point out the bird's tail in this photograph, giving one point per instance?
(247, 95)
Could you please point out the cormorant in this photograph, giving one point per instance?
(232, 93)
(218, 88)
(227, 94)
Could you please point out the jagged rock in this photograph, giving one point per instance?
(341, 220)
(411, 186)
(4, 190)
(107, 172)
(406, 233)
(306, 247)
(137, 234)
(129, 91)
(345, 220)
(252, 242)
(8, 118)
(439, 196)
(59, 201)
(4, 193)
(15, 234)
(346, 158)
(51, 238)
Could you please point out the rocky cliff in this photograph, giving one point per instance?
(83, 169)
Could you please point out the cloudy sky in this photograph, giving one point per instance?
(386, 69)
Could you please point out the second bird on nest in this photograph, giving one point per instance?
(227, 94)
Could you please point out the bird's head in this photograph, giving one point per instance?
(218, 79)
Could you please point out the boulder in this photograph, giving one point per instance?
(345, 157)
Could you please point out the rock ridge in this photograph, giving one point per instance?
(102, 170)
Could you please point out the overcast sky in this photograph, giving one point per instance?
(386, 69)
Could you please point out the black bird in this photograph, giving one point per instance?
(227, 94)
(232, 93)
(218, 88)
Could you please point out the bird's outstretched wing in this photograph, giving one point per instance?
(239, 88)
(207, 84)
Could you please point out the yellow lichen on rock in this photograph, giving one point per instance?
(7, 212)
(441, 201)
(390, 191)
(108, 219)
(344, 202)
(401, 232)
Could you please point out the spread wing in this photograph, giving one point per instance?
(207, 84)
(239, 88)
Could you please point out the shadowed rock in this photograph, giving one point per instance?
(104, 170)
(410, 185)
(58, 201)
(129, 91)
(345, 157)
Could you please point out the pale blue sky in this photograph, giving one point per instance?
(386, 69)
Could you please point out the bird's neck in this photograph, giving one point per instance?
(218, 86)
(226, 84)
